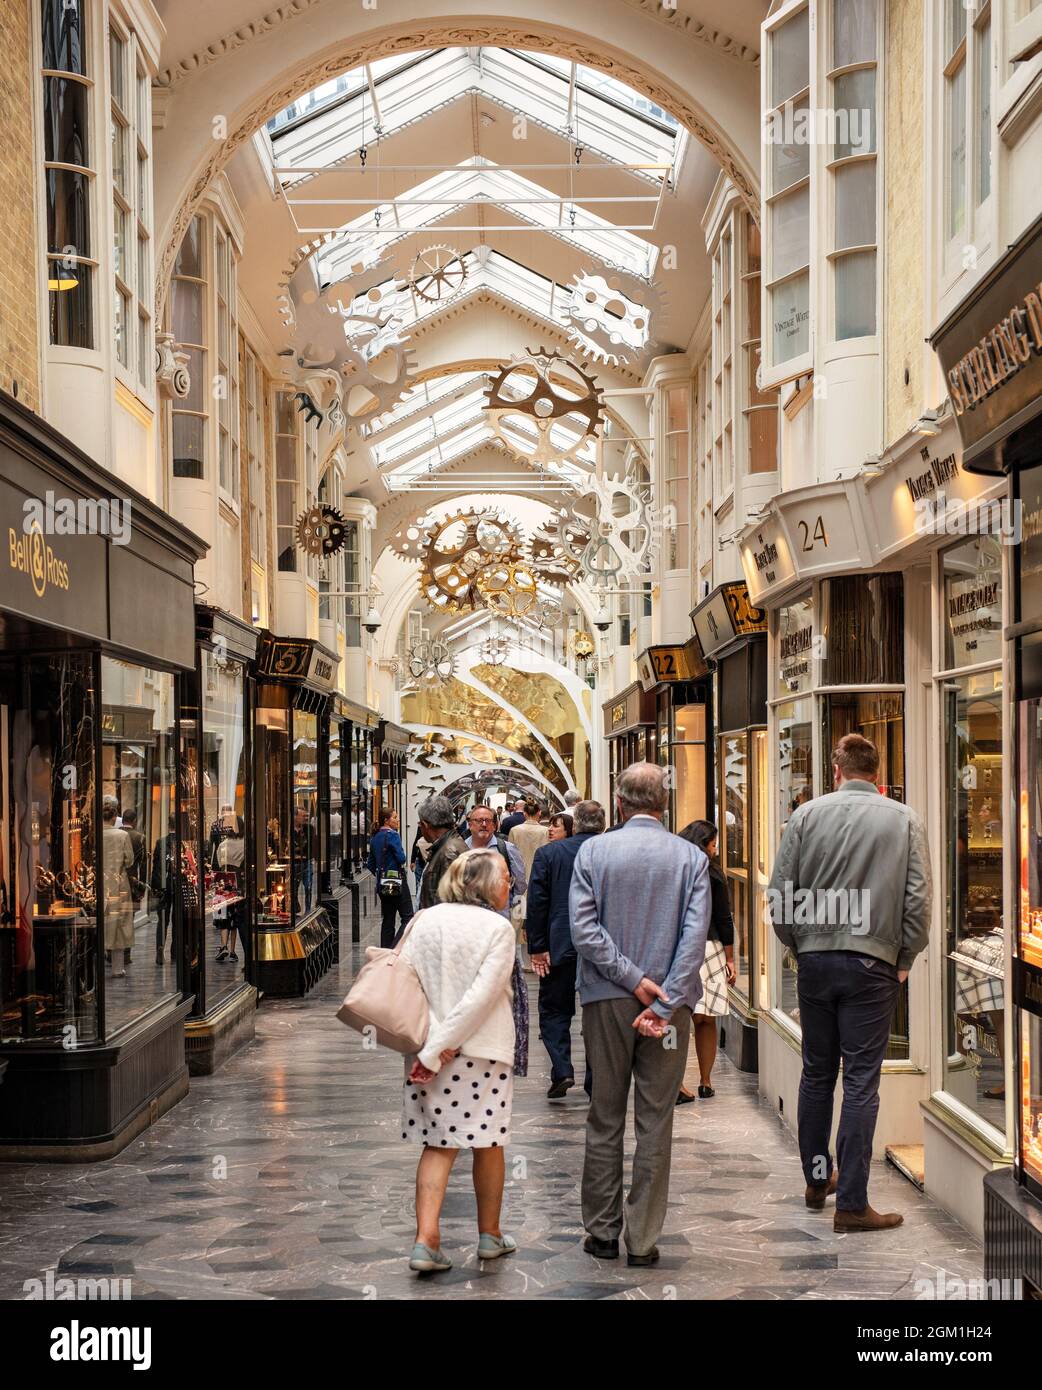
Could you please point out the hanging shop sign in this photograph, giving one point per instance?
(990, 350)
(298, 659)
(725, 616)
(766, 558)
(808, 532)
(632, 708)
(665, 665)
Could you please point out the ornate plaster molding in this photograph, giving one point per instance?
(454, 35)
(693, 28)
(685, 24)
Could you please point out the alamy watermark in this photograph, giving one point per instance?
(821, 907)
(940, 515)
(849, 129)
(78, 516)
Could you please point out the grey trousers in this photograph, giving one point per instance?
(616, 1052)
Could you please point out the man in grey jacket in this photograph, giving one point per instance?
(639, 907)
(850, 895)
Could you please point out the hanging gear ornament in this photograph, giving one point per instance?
(437, 273)
(508, 589)
(543, 407)
(321, 530)
(431, 661)
(605, 320)
(457, 548)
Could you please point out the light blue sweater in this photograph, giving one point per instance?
(640, 905)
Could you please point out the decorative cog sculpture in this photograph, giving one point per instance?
(619, 524)
(548, 612)
(410, 541)
(609, 316)
(543, 407)
(583, 645)
(431, 661)
(457, 549)
(437, 273)
(347, 337)
(494, 650)
(508, 588)
(558, 547)
(321, 530)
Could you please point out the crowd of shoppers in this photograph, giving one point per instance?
(640, 925)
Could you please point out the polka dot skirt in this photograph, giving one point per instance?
(466, 1106)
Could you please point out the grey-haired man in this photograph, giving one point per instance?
(437, 825)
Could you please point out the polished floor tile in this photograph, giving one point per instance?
(284, 1176)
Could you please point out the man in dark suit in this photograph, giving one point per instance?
(438, 825)
(549, 935)
(516, 817)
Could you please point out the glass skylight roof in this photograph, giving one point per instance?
(602, 115)
(445, 193)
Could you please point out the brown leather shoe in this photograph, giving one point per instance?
(816, 1193)
(867, 1220)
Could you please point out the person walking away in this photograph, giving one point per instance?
(560, 827)
(117, 861)
(572, 799)
(639, 906)
(718, 970)
(387, 863)
(529, 837)
(421, 848)
(437, 825)
(850, 896)
(516, 817)
(481, 824)
(548, 933)
(459, 1087)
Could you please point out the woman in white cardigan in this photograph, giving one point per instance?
(459, 1087)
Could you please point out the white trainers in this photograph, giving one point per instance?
(426, 1261)
(491, 1247)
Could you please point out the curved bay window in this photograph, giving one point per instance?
(68, 173)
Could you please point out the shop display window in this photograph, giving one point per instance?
(223, 789)
(734, 830)
(1028, 962)
(287, 752)
(336, 804)
(975, 940)
(138, 813)
(862, 622)
(795, 785)
(689, 763)
(48, 864)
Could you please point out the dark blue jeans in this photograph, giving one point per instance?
(556, 1011)
(846, 1004)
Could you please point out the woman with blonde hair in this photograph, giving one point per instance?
(459, 1087)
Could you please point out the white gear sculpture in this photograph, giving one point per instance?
(431, 661)
(620, 535)
(604, 322)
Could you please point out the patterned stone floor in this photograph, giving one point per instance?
(284, 1176)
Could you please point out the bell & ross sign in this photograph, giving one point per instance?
(30, 554)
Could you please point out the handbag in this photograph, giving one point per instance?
(390, 879)
(387, 997)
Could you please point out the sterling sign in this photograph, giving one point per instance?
(991, 351)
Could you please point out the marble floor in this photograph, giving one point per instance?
(285, 1177)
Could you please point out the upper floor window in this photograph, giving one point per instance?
(966, 61)
(677, 435)
(69, 172)
(760, 407)
(202, 316)
(853, 166)
(253, 443)
(131, 122)
(188, 314)
(787, 185)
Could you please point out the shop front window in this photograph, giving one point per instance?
(224, 824)
(48, 874)
(336, 806)
(138, 780)
(795, 787)
(1028, 965)
(689, 763)
(305, 811)
(273, 807)
(880, 719)
(734, 833)
(975, 942)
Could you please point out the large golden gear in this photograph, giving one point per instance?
(507, 588)
(457, 548)
(543, 407)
